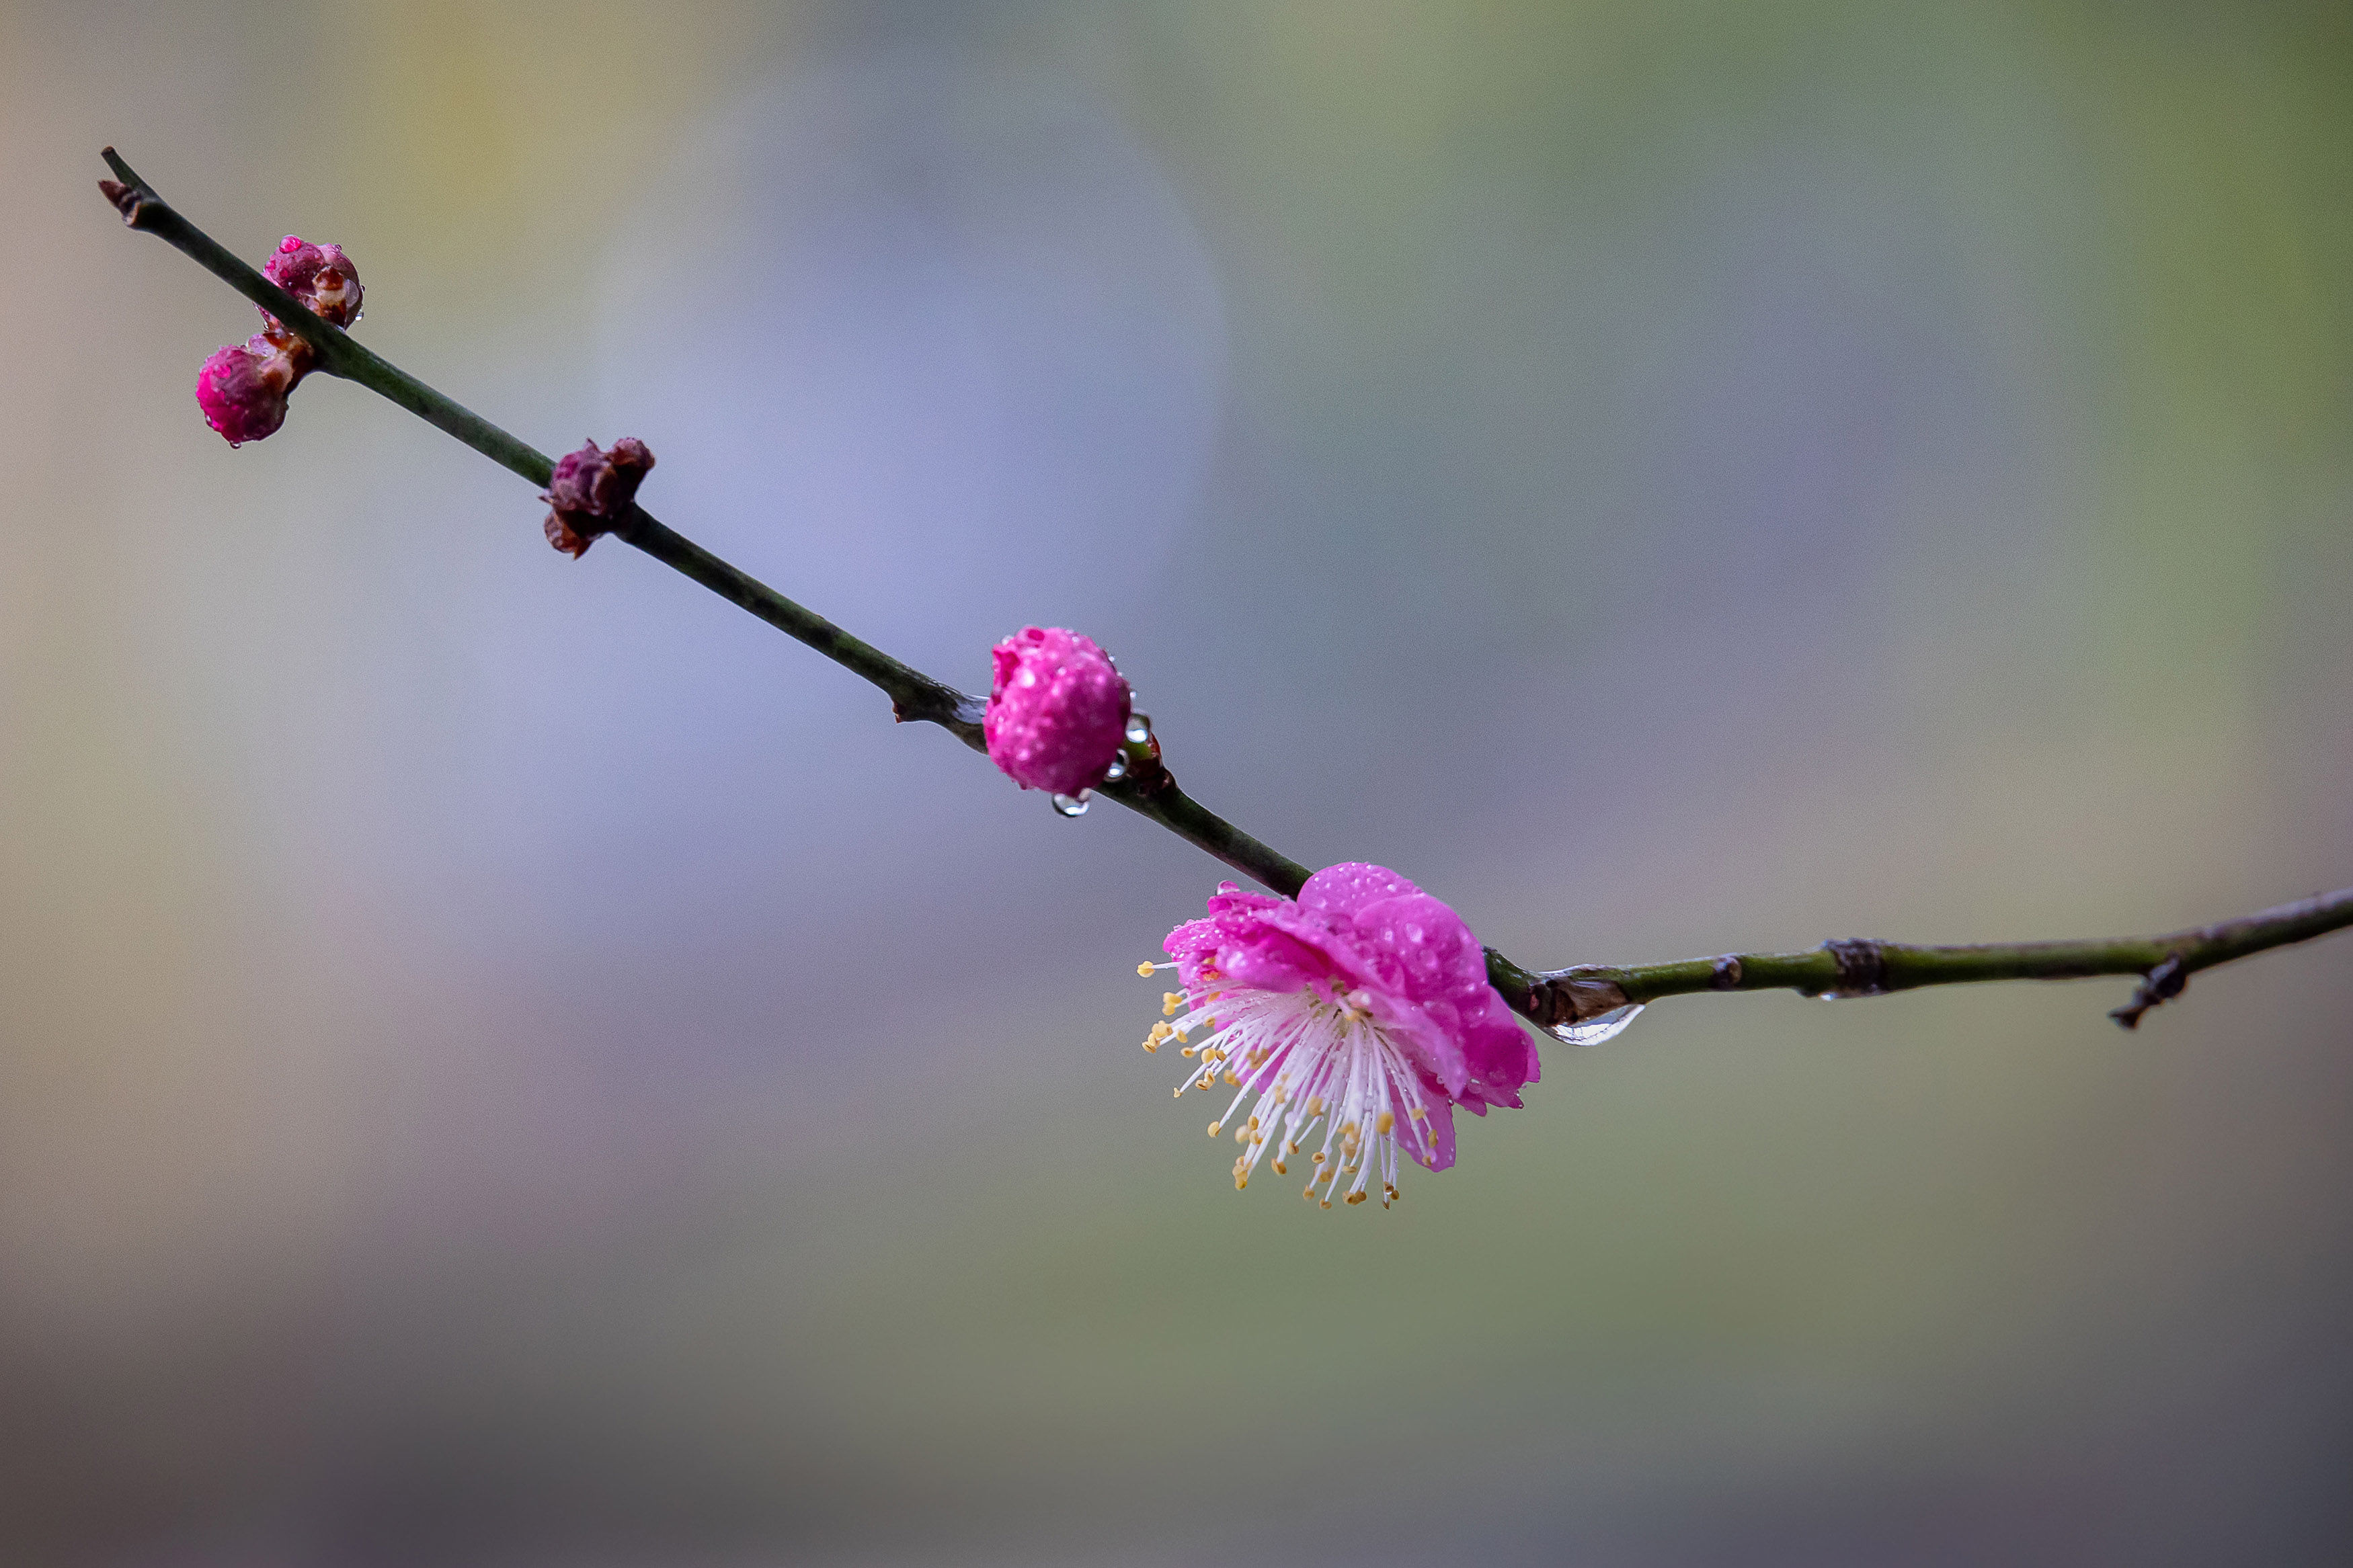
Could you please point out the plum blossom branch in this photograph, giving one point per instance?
(1148, 788)
(1581, 996)
(1581, 1005)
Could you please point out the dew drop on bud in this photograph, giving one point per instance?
(1074, 805)
(1139, 729)
(1599, 1027)
(1116, 772)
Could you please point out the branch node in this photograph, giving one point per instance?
(1725, 974)
(1562, 999)
(1861, 968)
(1147, 772)
(2158, 986)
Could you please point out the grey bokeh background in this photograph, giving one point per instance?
(504, 1061)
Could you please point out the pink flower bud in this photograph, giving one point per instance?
(590, 492)
(242, 389)
(320, 275)
(1056, 710)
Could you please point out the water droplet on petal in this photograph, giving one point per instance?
(1116, 772)
(1139, 729)
(1074, 805)
(1599, 1027)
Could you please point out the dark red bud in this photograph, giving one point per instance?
(591, 491)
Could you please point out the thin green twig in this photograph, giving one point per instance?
(1564, 1001)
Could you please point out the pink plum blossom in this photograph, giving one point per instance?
(590, 492)
(1056, 710)
(1363, 1006)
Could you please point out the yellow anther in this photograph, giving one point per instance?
(1317, 1156)
(1188, 1050)
(1152, 1045)
(1146, 970)
(1213, 1130)
(1325, 1204)
(1357, 1197)
(1253, 1124)
(1385, 1121)
(1179, 1090)
(1169, 1003)
(1347, 1132)
(1315, 1105)
(1281, 1169)
(1241, 1181)
(1419, 1113)
(1231, 1081)
(1308, 1192)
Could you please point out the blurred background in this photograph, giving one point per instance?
(511, 1062)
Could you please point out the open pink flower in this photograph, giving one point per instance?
(1057, 709)
(1363, 1006)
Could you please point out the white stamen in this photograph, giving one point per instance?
(1307, 1060)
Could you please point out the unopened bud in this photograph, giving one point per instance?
(242, 389)
(590, 492)
(320, 275)
(1057, 709)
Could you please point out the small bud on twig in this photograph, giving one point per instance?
(320, 275)
(1057, 710)
(243, 389)
(124, 197)
(591, 489)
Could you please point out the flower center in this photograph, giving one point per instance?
(1303, 1064)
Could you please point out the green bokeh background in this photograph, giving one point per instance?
(505, 1062)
